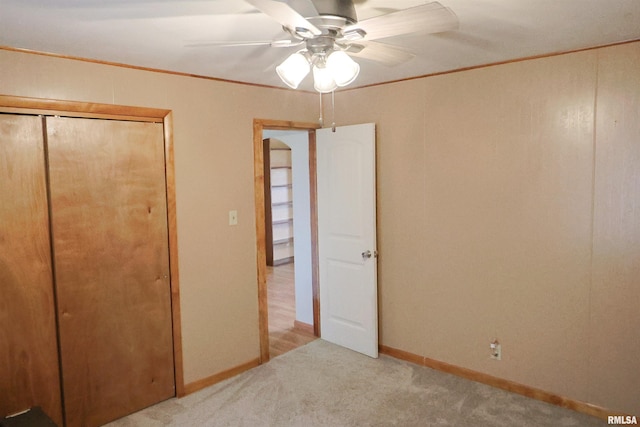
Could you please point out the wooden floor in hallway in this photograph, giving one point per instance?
(283, 335)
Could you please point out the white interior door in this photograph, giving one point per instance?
(347, 237)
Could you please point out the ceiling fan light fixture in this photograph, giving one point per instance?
(343, 69)
(293, 69)
(323, 80)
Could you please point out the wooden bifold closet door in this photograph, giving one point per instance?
(29, 373)
(85, 295)
(110, 243)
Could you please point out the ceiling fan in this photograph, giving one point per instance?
(331, 33)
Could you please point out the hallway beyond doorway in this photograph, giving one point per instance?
(283, 336)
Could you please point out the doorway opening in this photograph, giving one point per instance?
(288, 297)
(288, 239)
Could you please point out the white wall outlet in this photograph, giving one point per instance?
(496, 350)
(233, 217)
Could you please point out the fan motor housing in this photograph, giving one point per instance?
(339, 8)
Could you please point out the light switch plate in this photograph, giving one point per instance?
(233, 217)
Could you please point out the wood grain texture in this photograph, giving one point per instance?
(80, 109)
(268, 217)
(261, 261)
(285, 333)
(110, 238)
(501, 383)
(221, 376)
(303, 327)
(283, 125)
(313, 197)
(31, 106)
(29, 374)
(172, 224)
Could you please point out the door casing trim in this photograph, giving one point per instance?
(261, 264)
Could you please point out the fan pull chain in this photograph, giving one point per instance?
(321, 119)
(333, 111)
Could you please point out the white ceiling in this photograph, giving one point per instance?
(153, 34)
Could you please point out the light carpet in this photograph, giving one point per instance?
(321, 384)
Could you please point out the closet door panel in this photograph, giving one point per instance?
(109, 220)
(29, 373)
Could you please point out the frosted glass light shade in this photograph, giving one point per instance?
(323, 81)
(293, 69)
(343, 69)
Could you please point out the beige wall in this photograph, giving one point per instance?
(214, 174)
(509, 208)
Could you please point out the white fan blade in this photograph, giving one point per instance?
(285, 15)
(429, 18)
(380, 52)
(271, 43)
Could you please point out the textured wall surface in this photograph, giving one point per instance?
(509, 208)
(213, 143)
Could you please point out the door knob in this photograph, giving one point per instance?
(366, 254)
